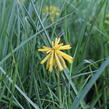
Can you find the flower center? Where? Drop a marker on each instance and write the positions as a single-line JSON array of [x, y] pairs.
[[52, 48]]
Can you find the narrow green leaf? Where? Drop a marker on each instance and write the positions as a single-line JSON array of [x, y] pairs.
[[85, 90]]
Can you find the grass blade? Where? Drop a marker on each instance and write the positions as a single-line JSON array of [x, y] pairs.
[[85, 90]]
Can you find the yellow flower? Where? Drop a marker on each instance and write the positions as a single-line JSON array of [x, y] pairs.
[[55, 57], [53, 11], [107, 21], [107, 15]]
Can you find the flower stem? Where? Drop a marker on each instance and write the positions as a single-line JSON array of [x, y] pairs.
[[59, 90]]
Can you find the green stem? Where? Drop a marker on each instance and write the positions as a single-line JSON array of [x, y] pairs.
[[59, 90], [59, 87]]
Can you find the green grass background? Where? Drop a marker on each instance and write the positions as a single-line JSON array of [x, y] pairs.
[[25, 83]]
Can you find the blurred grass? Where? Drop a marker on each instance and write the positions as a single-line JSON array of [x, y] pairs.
[[25, 84]]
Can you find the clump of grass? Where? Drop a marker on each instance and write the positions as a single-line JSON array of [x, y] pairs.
[[25, 84]]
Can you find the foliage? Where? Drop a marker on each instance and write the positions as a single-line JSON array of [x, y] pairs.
[[25, 83]]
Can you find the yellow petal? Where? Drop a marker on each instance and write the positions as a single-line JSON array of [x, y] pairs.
[[52, 43], [51, 61], [48, 51], [58, 46], [45, 59], [58, 40], [65, 56], [55, 41], [58, 62], [65, 47], [63, 62], [45, 47], [43, 50]]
